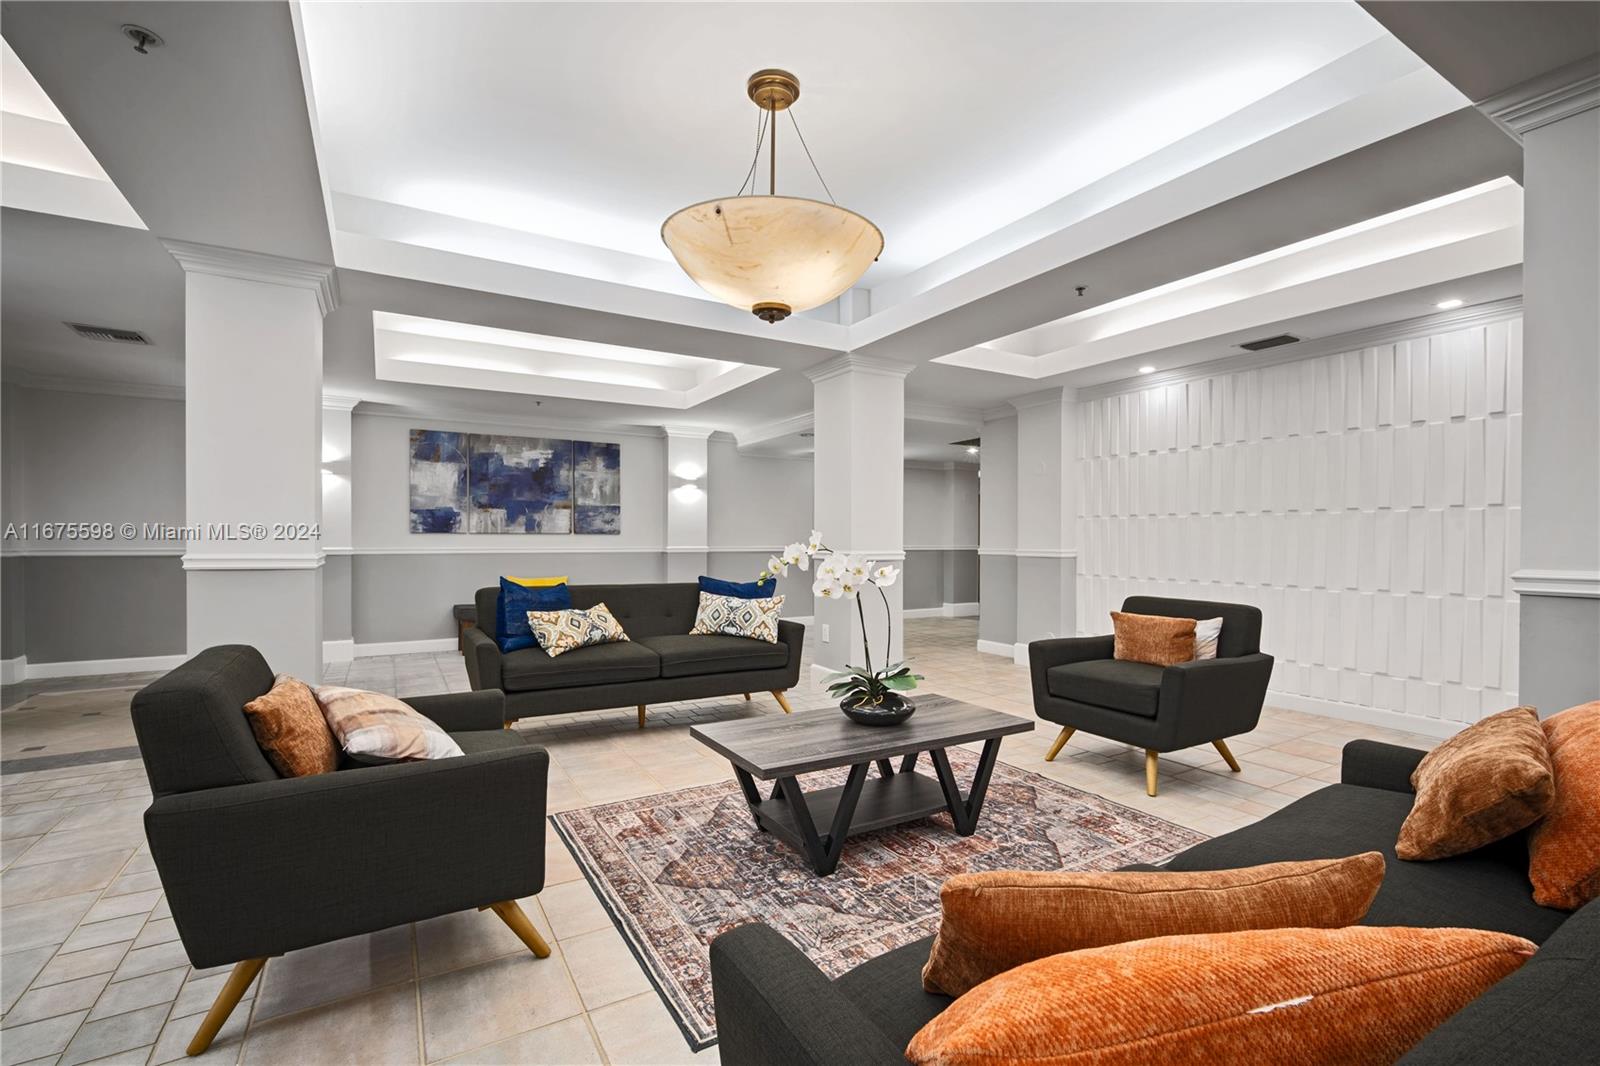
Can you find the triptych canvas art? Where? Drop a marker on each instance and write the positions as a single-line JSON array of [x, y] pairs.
[[486, 483]]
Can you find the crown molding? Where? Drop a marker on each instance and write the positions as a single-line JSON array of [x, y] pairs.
[[937, 412], [783, 427], [855, 362], [1550, 97], [1000, 413], [1581, 584], [339, 403], [1388, 333], [24, 379], [258, 266], [687, 432], [495, 424], [1042, 398]]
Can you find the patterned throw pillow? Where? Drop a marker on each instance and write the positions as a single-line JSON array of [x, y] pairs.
[[377, 729], [290, 729], [733, 616], [559, 632], [1206, 633]]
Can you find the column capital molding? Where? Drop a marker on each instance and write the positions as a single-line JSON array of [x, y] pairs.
[[258, 266], [1550, 97], [687, 432], [854, 362], [1042, 398], [339, 403]]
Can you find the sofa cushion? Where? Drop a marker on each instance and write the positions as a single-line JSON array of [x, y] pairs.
[[688, 654], [1115, 683], [1483, 889], [530, 669], [888, 989], [1542, 1013]]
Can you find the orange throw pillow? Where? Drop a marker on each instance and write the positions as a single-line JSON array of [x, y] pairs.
[[1564, 849], [290, 729], [1488, 781], [1356, 996], [993, 922], [1152, 638]]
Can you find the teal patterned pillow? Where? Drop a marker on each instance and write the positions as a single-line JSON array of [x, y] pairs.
[[559, 632], [734, 616]]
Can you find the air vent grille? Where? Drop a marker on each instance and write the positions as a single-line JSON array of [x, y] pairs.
[[1270, 342], [972, 442], [109, 334]]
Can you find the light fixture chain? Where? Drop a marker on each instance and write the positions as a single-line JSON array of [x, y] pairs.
[[813, 162], [749, 177]]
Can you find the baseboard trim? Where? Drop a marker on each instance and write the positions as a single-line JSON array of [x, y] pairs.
[[403, 647], [13, 670], [1019, 653], [1351, 712], [338, 651], [92, 667], [995, 647], [923, 612], [960, 610]]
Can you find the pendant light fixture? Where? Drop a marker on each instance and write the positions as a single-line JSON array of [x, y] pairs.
[[772, 255]]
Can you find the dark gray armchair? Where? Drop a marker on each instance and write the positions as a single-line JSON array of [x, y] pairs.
[[1078, 685], [255, 865]]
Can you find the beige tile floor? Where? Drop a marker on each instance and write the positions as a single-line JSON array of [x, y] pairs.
[[92, 971]]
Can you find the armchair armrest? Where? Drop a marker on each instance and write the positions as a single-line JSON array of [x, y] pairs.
[[268, 867], [794, 635], [1210, 699], [1058, 651], [1374, 764], [462, 712], [774, 1005], [483, 660]]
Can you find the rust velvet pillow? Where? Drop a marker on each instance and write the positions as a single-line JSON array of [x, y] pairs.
[[1356, 996], [290, 729], [1564, 849], [1483, 784], [992, 922], [1152, 638]]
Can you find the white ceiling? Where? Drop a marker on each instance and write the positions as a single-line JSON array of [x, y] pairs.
[[590, 123]]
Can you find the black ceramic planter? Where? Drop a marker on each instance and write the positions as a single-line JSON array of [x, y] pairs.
[[891, 710]]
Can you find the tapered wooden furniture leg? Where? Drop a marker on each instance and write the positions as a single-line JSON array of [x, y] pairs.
[[1061, 742], [232, 991], [641, 716], [514, 917], [1151, 761], [747, 697], [778, 695], [1227, 756]]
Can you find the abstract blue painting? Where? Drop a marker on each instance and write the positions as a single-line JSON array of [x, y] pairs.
[[519, 485], [596, 487], [438, 481]]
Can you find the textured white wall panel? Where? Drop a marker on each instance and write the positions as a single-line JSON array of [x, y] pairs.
[[1367, 501]]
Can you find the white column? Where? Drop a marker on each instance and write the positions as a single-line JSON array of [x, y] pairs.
[[1558, 579], [338, 637], [687, 490], [253, 445], [997, 533], [1047, 555], [859, 502]]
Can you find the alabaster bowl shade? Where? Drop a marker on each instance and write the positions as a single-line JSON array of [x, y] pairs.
[[749, 250]]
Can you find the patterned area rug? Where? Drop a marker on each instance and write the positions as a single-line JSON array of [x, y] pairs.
[[678, 868]]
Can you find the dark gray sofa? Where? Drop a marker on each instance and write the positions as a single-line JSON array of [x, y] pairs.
[[660, 662], [254, 865], [774, 1005]]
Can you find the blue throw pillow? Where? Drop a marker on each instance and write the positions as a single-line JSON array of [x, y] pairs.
[[511, 630], [744, 590]]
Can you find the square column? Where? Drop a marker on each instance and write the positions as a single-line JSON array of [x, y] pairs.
[[253, 448], [1047, 509], [1558, 580], [338, 630], [686, 503], [859, 497]]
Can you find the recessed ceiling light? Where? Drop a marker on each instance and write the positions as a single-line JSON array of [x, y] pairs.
[[972, 451], [1147, 370], [1449, 305]]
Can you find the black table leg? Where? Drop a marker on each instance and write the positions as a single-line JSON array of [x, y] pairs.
[[908, 763], [751, 795], [885, 768], [964, 812], [823, 854]]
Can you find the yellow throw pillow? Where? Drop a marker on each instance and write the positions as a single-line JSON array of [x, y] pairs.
[[537, 582], [994, 921], [559, 632]]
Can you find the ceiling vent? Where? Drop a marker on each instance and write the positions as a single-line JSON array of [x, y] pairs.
[[1270, 342], [108, 333], [972, 442]]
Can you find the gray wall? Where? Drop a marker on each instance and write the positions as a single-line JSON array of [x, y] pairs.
[[13, 634], [934, 578], [997, 592], [103, 607], [336, 599]]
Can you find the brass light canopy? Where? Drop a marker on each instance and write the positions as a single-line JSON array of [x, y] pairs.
[[772, 255]]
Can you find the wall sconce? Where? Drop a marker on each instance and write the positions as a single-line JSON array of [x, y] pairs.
[[689, 473], [688, 493]]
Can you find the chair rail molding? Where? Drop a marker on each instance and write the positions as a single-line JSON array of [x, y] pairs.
[[1582, 584]]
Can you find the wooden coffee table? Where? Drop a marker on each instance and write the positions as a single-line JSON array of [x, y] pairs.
[[779, 749]]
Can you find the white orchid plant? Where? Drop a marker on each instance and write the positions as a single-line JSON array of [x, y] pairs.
[[842, 576]]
